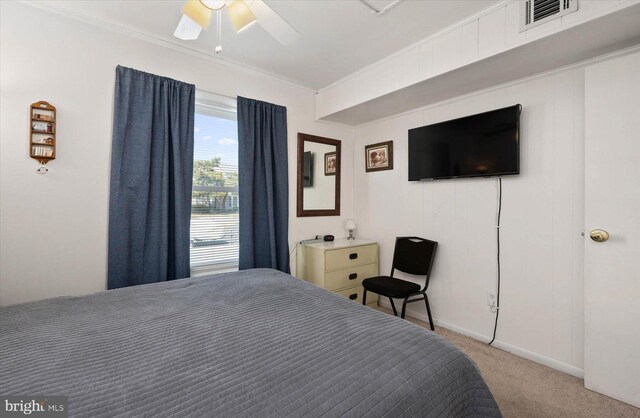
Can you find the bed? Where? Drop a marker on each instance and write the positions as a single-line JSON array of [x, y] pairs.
[[250, 343]]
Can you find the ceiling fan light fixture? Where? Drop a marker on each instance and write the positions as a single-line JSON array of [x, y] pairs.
[[240, 15], [198, 12], [214, 4]]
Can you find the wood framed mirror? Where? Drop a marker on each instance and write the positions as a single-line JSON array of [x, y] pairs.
[[318, 176]]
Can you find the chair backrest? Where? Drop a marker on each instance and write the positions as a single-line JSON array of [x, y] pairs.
[[414, 255]]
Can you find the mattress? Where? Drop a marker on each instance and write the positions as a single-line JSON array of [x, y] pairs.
[[250, 343]]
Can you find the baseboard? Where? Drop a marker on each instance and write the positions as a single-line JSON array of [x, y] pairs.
[[521, 352]]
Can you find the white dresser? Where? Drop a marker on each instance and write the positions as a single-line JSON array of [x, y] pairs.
[[339, 266]]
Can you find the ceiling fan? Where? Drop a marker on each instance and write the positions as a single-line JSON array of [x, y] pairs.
[[242, 14]]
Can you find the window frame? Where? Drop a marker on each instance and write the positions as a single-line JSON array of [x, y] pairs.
[[223, 107]]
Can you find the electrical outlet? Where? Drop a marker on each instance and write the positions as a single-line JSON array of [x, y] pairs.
[[491, 299]]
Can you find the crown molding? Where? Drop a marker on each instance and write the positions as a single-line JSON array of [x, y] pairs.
[[50, 6]]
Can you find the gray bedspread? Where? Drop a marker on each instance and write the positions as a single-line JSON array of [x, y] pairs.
[[251, 343]]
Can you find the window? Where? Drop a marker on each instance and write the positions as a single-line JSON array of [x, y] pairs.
[[214, 204]]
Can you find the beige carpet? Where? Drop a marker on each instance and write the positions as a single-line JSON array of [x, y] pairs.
[[523, 388]]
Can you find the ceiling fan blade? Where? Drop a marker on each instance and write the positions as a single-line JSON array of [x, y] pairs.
[[187, 29], [273, 23]]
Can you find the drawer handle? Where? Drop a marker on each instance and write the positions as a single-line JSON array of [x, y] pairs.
[[353, 276], [353, 296], [353, 256]]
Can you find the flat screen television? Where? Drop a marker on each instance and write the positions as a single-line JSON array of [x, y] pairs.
[[482, 145], [307, 169]]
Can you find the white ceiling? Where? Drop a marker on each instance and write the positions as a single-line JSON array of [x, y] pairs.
[[337, 37]]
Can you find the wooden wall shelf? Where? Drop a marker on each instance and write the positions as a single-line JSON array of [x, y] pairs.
[[42, 125]]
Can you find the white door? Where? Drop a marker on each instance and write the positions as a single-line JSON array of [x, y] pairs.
[[612, 203]]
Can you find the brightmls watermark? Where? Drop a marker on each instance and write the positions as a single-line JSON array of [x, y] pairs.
[[34, 406]]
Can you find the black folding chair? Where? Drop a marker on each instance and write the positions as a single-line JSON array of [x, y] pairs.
[[411, 255]]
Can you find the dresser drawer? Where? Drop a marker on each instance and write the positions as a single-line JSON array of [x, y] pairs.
[[350, 277], [351, 257], [355, 294]]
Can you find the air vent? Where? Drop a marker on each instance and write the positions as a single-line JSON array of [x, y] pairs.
[[537, 12]]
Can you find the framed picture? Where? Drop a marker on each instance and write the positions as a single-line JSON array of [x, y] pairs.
[[379, 157], [330, 164]]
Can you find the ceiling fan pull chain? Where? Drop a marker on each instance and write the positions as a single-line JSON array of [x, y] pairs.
[[219, 29]]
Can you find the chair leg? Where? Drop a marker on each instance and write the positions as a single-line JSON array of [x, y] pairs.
[[404, 307], [364, 297], [426, 301], [394, 307]]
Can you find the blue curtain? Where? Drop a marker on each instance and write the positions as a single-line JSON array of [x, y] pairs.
[[151, 176], [263, 183]]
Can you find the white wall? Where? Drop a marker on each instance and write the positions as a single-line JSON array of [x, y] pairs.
[[53, 228], [541, 312]]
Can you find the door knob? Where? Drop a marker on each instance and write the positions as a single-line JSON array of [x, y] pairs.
[[599, 235]]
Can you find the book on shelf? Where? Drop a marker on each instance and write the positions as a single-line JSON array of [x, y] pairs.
[[42, 152]]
